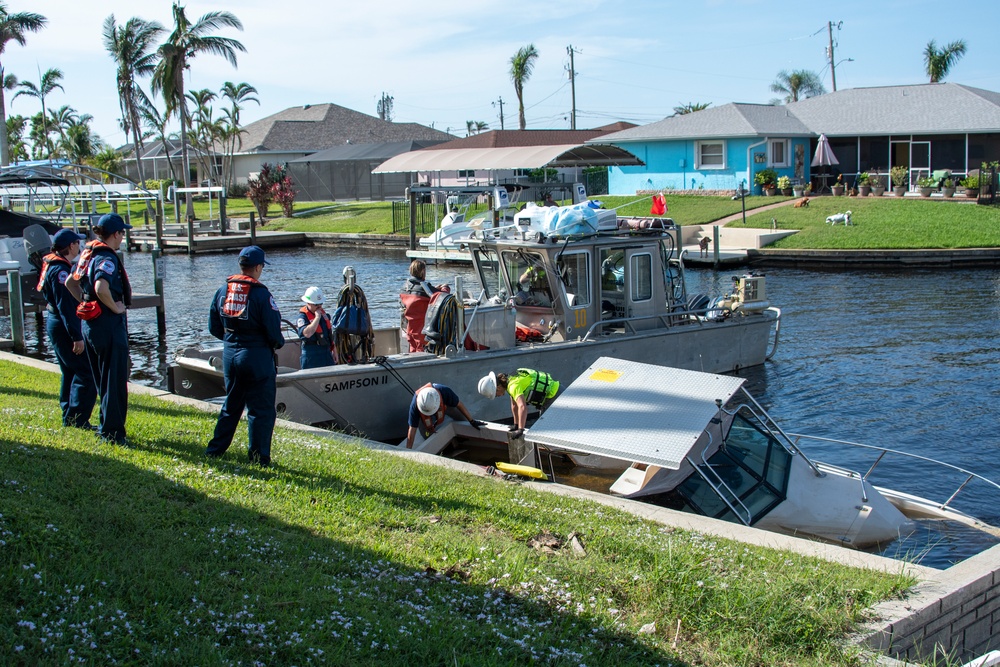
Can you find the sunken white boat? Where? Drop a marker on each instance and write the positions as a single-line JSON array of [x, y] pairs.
[[700, 443], [599, 286]]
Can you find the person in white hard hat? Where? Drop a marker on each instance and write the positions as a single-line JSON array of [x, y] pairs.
[[316, 331], [525, 387], [427, 411]]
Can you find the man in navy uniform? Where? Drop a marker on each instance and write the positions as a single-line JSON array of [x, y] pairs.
[[244, 315], [77, 392], [100, 282]]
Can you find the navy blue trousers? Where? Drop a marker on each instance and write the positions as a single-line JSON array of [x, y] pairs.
[[315, 356], [107, 347], [250, 383], [77, 391]]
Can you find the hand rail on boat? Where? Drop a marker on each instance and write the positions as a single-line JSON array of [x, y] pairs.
[[777, 332], [886, 450], [765, 420], [716, 487], [664, 318]]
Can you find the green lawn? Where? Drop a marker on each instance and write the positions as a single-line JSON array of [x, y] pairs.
[[343, 555], [884, 223]]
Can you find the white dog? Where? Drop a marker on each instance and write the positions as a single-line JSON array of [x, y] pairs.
[[840, 218]]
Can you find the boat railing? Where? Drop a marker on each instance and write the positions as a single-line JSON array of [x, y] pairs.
[[884, 451], [628, 323], [718, 485]]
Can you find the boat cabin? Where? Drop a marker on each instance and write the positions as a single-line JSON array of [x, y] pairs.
[[565, 288]]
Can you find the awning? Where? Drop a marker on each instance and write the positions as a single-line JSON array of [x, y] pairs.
[[523, 157]]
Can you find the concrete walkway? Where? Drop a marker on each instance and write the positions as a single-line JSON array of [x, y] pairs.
[[734, 244]]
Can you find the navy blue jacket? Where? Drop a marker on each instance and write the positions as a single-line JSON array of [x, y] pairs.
[[55, 271], [244, 313]]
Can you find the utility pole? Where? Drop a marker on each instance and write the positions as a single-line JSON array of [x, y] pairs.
[[829, 52], [572, 86], [500, 101]]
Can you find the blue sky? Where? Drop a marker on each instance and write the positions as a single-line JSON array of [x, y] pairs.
[[447, 62]]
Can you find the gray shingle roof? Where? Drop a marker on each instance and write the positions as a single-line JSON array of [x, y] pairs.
[[366, 151], [312, 128], [930, 108]]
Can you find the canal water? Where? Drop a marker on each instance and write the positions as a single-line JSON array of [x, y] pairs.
[[908, 360]]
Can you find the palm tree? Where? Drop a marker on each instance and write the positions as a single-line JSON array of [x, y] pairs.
[[237, 94], [185, 42], [157, 124], [78, 143], [938, 63], [60, 120], [131, 47], [800, 84], [521, 64], [15, 137], [691, 107], [13, 27], [46, 84], [203, 128]]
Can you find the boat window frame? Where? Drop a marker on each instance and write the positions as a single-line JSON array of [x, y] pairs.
[[484, 256], [583, 280], [537, 287], [633, 276]]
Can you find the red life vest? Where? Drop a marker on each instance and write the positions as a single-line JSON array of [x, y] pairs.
[[415, 310], [237, 295], [323, 329], [431, 422], [47, 261], [659, 205]]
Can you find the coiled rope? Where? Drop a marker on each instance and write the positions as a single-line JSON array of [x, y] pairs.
[[354, 348]]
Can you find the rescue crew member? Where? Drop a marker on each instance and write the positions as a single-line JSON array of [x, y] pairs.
[[525, 387], [77, 391], [101, 283], [244, 315], [534, 288], [316, 331], [415, 297], [427, 411]]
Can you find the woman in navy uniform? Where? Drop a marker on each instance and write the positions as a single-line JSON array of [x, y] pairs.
[[77, 392], [244, 315], [316, 331], [100, 281]]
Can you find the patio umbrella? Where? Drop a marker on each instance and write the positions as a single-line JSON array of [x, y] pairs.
[[823, 156]]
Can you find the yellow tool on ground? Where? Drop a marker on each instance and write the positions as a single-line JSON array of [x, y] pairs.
[[523, 471]]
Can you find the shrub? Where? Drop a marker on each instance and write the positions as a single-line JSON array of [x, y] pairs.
[[260, 189], [784, 183], [238, 190], [765, 177], [970, 182], [926, 182], [899, 175], [284, 194]]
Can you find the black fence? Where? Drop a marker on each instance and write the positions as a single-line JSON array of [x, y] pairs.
[[988, 187]]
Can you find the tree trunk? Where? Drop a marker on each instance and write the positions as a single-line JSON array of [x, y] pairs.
[[4, 145]]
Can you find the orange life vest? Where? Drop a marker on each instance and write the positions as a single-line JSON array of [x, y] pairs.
[[237, 295], [324, 325]]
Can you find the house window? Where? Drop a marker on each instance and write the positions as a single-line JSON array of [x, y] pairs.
[[710, 154], [777, 150], [466, 173]]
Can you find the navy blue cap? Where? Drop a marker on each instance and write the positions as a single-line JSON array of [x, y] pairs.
[[111, 223], [64, 238], [252, 256]]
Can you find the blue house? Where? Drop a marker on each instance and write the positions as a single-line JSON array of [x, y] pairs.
[[927, 128]]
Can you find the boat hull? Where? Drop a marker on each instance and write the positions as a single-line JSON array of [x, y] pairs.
[[367, 399]]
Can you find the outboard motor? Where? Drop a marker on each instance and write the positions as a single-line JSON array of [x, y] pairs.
[[37, 244]]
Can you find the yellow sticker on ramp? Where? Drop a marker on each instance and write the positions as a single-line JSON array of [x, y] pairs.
[[606, 375]]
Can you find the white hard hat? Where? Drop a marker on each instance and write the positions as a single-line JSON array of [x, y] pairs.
[[488, 385], [428, 400], [313, 295]]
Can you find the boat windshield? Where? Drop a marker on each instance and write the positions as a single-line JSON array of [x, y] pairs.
[[490, 277], [751, 463], [529, 278]]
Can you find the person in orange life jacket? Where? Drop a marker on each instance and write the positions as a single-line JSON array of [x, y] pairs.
[[415, 298], [316, 331], [427, 411], [244, 315], [101, 283], [77, 391]]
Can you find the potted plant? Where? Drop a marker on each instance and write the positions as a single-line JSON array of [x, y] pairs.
[[838, 186], [864, 184], [971, 185], [878, 185], [766, 179], [785, 185], [948, 188], [799, 189], [926, 186], [899, 176]]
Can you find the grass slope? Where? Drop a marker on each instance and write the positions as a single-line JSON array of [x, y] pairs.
[[343, 555]]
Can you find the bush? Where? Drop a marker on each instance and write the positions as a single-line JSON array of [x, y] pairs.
[[899, 175], [970, 182], [766, 177], [926, 182], [272, 184], [284, 194], [238, 190]]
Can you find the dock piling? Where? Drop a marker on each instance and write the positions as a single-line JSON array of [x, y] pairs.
[[16, 307], [253, 229], [159, 273]]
